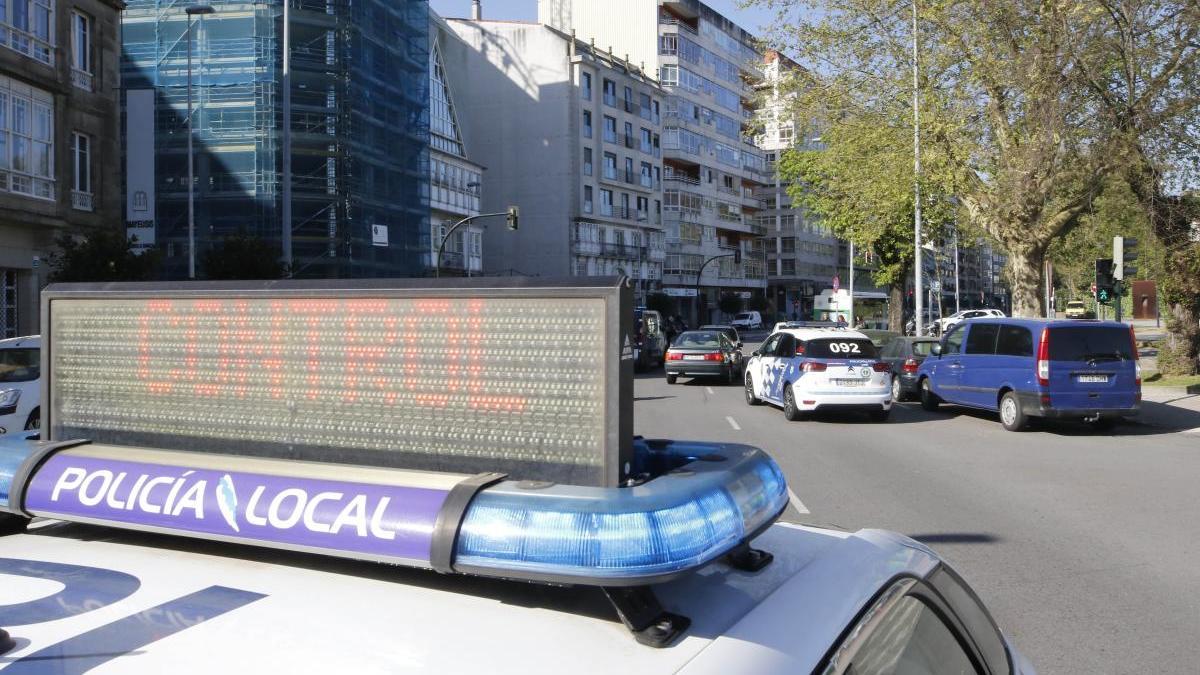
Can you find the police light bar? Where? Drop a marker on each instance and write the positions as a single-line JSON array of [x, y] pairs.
[[705, 501], [532, 378]]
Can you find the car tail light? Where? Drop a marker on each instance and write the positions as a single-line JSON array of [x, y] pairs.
[[881, 367], [1137, 365], [674, 356], [911, 365], [814, 367], [1043, 358], [714, 356]]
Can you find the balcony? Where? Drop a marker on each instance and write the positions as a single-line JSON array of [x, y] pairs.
[[681, 178], [81, 80], [82, 201], [610, 99]]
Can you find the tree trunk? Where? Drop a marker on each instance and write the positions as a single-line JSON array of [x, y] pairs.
[[1025, 271], [1181, 355], [896, 307]]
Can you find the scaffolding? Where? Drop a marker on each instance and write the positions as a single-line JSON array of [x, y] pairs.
[[359, 127]]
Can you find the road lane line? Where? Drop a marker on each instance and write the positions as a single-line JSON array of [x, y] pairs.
[[799, 505], [709, 390], [733, 423]]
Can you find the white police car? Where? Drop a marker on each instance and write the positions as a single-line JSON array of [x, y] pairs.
[[809, 369]]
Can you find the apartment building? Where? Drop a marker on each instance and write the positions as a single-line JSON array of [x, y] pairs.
[[59, 118], [353, 187], [455, 182], [572, 134], [711, 169]]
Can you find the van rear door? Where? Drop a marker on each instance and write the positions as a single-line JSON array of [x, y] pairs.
[[1092, 367]]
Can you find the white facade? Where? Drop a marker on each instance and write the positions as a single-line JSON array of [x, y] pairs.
[[456, 182], [711, 170], [572, 135]]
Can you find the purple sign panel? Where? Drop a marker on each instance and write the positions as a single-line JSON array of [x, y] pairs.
[[379, 520]]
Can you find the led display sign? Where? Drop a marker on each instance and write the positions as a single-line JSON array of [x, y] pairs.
[[525, 379]]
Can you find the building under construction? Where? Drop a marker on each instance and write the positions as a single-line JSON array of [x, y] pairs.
[[359, 117]]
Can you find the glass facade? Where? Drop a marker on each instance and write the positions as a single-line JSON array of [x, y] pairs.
[[359, 120]]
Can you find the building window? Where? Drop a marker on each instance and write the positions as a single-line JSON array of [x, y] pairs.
[[643, 209], [629, 134], [585, 80], [610, 129], [27, 26], [644, 109], [628, 169], [8, 304], [587, 124], [81, 152], [587, 198], [81, 51], [26, 140], [610, 166], [610, 93], [788, 267], [647, 178], [606, 202], [625, 213], [628, 99], [647, 142], [587, 161], [787, 245]]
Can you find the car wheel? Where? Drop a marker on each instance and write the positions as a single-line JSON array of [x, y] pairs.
[[897, 390], [790, 411], [35, 420], [880, 415], [1011, 415], [929, 400], [671, 379], [751, 399]]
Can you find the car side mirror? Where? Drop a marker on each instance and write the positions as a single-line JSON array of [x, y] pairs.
[[936, 349]]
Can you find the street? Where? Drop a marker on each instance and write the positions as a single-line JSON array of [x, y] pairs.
[[1082, 544]]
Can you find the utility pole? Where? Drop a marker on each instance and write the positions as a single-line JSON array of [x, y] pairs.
[[852, 324], [918, 295], [957, 278]]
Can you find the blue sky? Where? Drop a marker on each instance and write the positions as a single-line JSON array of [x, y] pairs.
[[750, 19]]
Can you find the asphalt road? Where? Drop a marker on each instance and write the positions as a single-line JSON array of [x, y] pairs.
[[1084, 545]]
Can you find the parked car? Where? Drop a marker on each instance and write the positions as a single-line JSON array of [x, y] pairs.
[[650, 342], [904, 355], [703, 353], [20, 383], [1077, 309], [947, 322], [880, 337], [1026, 368], [748, 321], [809, 369]]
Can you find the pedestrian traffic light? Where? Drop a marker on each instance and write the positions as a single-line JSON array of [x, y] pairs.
[[1124, 255], [737, 256], [1104, 281], [514, 216]]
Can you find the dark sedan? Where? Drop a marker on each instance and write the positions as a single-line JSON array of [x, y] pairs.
[[703, 353], [904, 355]]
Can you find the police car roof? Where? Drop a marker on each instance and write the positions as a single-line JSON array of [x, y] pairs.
[[806, 334], [293, 612]]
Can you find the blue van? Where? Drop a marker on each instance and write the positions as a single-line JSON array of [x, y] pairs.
[[1024, 368]]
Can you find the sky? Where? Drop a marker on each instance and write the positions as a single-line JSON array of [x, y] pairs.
[[750, 19]]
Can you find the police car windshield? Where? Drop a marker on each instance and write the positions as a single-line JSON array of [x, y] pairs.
[[19, 365], [698, 339], [840, 348]]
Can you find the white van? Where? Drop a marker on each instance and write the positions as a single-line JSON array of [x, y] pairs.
[[20, 383], [747, 321]]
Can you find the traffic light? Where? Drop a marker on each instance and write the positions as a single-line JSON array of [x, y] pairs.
[[1104, 281], [737, 256], [1124, 255], [514, 216]]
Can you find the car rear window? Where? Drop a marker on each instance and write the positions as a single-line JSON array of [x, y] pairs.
[[922, 348], [19, 365], [698, 340], [840, 348], [743, 315], [1086, 343]]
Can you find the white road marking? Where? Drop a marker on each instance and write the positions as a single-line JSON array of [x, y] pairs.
[[799, 505], [733, 423], [709, 390]]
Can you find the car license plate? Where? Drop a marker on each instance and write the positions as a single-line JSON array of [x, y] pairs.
[[693, 357], [848, 383], [1101, 379]]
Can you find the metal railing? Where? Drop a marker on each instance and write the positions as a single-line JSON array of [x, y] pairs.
[[81, 79], [82, 201]]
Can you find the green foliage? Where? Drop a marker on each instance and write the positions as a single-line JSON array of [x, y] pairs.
[[242, 256], [730, 303], [661, 303], [104, 254], [759, 303]]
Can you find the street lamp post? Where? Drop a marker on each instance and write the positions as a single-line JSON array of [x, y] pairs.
[[437, 261], [917, 264], [194, 10]]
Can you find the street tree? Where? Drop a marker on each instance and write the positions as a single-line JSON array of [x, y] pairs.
[[102, 254], [1009, 119], [243, 256]]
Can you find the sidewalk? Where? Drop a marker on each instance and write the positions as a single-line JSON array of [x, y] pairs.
[[1171, 408]]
